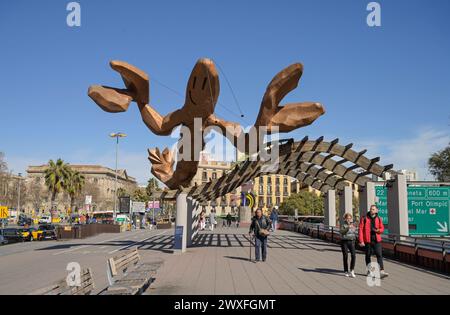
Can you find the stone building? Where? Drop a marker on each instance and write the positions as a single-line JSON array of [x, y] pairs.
[[269, 190], [209, 170], [99, 183]]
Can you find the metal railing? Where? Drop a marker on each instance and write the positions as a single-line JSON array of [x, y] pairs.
[[416, 242]]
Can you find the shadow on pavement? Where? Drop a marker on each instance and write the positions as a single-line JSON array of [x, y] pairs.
[[324, 270]]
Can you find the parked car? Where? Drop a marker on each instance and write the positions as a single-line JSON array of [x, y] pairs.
[[3, 241], [24, 220], [31, 234], [45, 219], [48, 231], [11, 235]]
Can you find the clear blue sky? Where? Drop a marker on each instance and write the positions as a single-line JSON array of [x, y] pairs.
[[386, 88]]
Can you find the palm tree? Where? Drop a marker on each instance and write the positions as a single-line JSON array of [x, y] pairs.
[[74, 185], [56, 178], [152, 186]]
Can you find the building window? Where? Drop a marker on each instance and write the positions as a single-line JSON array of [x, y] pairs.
[[261, 202], [285, 191], [214, 175], [285, 181], [269, 189], [205, 176], [261, 188], [277, 202], [269, 201]]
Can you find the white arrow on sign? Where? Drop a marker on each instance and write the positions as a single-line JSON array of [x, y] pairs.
[[442, 227]]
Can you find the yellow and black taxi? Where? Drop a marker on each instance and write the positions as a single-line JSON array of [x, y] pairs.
[[31, 234]]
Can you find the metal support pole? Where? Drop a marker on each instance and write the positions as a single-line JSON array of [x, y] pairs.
[[115, 182], [18, 193]]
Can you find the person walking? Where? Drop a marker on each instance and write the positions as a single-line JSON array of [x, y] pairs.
[[260, 227], [212, 219], [274, 218], [348, 237], [229, 219], [202, 221], [370, 229]]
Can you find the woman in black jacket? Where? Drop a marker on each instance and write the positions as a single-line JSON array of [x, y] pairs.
[[260, 227]]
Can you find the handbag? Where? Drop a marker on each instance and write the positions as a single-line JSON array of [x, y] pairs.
[[261, 231]]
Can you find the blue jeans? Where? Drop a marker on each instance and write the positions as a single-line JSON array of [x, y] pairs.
[[274, 225], [260, 245]]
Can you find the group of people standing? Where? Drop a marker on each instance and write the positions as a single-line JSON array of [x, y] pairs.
[[369, 238]]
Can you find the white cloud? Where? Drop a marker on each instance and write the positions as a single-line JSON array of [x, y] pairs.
[[409, 153]]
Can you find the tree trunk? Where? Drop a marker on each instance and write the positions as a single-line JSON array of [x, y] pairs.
[[52, 206], [72, 199]]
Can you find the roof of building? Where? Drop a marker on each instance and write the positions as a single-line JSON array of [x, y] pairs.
[[86, 169]]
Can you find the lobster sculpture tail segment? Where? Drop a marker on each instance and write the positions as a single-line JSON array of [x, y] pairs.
[[202, 93]]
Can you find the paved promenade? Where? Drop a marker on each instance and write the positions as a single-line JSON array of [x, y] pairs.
[[296, 264], [217, 264]]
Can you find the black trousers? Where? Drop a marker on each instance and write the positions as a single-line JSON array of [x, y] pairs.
[[346, 246], [374, 248]]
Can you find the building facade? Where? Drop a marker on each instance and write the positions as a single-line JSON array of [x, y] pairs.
[[269, 190], [100, 184], [210, 170]]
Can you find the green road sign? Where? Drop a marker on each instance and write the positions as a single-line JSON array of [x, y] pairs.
[[428, 209]]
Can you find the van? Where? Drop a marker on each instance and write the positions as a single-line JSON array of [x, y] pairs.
[[45, 220]]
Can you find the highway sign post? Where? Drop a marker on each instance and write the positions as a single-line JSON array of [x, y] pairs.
[[428, 209]]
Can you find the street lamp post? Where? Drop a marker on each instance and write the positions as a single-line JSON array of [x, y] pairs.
[[18, 192], [116, 135]]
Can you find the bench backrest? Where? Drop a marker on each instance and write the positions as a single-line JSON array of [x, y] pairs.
[[62, 288], [119, 264]]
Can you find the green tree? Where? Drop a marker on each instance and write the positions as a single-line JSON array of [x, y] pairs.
[[140, 195], [74, 186], [152, 186], [439, 164], [121, 192], [56, 178], [307, 203]]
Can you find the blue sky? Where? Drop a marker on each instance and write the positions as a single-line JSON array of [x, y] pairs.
[[384, 88]]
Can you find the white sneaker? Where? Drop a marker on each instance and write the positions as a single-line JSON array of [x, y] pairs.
[[347, 274], [352, 273], [383, 274]]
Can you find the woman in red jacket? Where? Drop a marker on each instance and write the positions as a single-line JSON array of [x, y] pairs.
[[370, 229]]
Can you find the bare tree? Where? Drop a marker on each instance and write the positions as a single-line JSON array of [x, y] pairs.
[[89, 189], [35, 193]]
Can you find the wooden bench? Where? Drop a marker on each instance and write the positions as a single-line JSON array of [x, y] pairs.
[[62, 288], [127, 275]]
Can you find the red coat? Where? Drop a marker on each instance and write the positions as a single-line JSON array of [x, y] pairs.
[[364, 229]]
